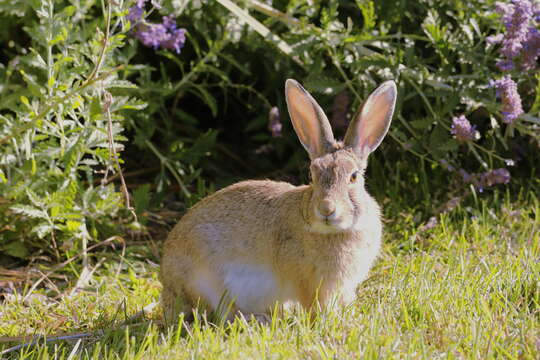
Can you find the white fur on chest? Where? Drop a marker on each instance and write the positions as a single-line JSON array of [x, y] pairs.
[[253, 288]]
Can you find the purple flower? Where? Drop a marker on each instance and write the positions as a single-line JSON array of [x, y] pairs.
[[486, 179], [169, 23], [511, 101], [518, 40], [152, 35], [165, 35], [516, 18], [135, 14], [531, 49], [445, 164], [497, 176], [505, 65], [432, 222], [465, 176], [462, 129], [494, 39], [176, 40], [274, 123]]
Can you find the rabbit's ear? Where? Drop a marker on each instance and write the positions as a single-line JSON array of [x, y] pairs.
[[308, 119], [371, 123]]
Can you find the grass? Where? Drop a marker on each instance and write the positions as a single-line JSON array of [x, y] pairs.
[[465, 287]]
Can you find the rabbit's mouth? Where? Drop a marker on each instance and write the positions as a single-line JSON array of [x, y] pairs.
[[328, 224]]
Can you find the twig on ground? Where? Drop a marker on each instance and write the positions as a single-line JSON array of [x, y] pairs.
[[71, 259], [50, 282], [33, 340], [141, 314], [85, 278], [122, 257]]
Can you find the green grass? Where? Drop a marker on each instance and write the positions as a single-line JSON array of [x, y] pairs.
[[466, 288]]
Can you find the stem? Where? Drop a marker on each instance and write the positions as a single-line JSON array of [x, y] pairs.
[[348, 82], [477, 156], [105, 42], [112, 151], [422, 95], [491, 153], [167, 164], [49, 49], [195, 70]]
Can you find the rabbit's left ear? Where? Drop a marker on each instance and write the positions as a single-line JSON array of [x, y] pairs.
[[309, 121], [371, 123]]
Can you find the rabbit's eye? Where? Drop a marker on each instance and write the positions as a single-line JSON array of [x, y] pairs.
[[354, 177]]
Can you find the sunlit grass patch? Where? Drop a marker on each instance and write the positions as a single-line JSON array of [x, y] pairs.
[[465, 288]]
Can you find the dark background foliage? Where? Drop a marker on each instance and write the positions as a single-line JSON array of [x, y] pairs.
[[189, 123]]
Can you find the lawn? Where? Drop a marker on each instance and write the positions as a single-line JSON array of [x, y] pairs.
[[463, 285], [117, 116]]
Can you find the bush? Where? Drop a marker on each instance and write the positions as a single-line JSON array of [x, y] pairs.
[[62, 112], [213, 105], [455, 100]]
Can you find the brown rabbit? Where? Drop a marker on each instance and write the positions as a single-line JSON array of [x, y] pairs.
[[256, 243]]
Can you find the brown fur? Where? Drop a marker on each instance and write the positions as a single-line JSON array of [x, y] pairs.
[[271, 237]]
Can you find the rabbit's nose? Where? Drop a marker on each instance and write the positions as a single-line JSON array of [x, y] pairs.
[[327, 207]]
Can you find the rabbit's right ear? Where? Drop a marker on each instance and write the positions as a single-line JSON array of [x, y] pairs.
[[309, 121], [370, 125]]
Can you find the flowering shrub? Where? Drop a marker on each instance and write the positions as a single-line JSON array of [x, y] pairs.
[[74, 75], [165, 35], [64, 98], [521, 42], [468, 83]]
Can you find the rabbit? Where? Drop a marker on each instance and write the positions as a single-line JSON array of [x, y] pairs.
[[259, 242]]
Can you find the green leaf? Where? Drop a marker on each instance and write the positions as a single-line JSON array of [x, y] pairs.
[[68, 11], [73, 226], [438, 137], [95, 108], [16, 249], [3, 178], [323, 84], [141, 198], [29, 211], [60, 37], [422, 124], [121, 84], [25, 101], [50, 82], [450, 145], [536, 105], [134, 105], [207, 98], [43, 229], [368, 13], [34, 198]]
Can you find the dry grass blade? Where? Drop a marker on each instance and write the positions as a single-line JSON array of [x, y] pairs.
[[270, 11], [34, 340], [68, 261], [260, 28]]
